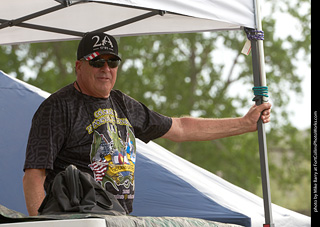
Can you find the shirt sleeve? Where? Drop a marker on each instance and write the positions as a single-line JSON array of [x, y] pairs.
[[148, 124], [46, 136]]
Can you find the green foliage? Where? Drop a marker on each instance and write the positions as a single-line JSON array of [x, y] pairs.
[[183, 74], [45, 65]]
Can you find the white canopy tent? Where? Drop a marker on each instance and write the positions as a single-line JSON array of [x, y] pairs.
[[49, 20], [57, 20]]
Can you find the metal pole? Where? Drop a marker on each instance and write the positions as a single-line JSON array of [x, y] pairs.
[[259, 78]]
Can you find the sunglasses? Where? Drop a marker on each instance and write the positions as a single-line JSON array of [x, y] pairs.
[[99, 63]]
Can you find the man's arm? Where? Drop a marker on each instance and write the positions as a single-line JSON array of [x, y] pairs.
[[202, 129], [34, 194]]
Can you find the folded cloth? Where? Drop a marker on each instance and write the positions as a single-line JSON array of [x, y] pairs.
[[77, 192]]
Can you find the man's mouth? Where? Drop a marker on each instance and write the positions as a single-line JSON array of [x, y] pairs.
[[105, 78]]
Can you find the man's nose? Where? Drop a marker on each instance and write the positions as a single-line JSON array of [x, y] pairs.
[[105, 67]]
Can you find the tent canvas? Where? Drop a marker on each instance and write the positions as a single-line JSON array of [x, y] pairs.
[[49, 20], [166, 185]]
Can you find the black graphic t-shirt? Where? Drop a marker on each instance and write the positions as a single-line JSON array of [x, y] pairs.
[[95, 134]]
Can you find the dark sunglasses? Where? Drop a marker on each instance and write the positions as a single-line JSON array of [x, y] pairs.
[[98, 63]]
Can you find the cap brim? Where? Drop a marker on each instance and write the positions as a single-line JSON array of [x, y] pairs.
[[109, 53], [99, 53]]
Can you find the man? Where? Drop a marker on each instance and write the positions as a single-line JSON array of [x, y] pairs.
[[93, 127]]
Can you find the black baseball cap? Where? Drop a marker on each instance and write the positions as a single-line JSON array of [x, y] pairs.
[[94, 44]]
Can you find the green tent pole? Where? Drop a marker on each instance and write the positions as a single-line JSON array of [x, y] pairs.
[[259, 79]]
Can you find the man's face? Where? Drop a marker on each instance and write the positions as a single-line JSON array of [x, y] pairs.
[[96, 82]]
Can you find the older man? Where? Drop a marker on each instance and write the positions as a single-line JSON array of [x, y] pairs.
[[92, 126]]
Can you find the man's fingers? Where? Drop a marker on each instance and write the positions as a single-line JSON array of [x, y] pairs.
[[265, 108]]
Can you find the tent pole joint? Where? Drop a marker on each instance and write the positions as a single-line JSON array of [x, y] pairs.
[[66, 3], [10, 23], [162, 12]]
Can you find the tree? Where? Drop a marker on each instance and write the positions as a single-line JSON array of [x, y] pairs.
[[45, 65], [184, 74]]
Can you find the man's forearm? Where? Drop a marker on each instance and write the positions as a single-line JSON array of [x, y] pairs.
[[201, 129], [196, 129], [212, 129], [33, 189]]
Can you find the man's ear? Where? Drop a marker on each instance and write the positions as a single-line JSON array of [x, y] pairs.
[[77, 66]]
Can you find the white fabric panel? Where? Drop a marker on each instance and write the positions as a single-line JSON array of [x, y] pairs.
[[181, 16]]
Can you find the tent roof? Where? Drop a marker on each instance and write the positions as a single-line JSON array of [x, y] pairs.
[[50, 20]]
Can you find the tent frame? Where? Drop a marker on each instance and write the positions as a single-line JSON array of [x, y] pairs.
[[259, 75], [259, 79], [262, 140], [66, 3]]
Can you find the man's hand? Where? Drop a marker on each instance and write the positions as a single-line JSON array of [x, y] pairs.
[[255, 112]]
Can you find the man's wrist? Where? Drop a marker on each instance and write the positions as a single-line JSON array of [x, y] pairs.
[[247, 125]]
